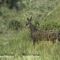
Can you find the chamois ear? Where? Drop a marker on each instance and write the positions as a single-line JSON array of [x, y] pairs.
[[28, 19]]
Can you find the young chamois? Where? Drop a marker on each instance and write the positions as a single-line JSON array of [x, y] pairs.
[[49, 35], [35, 35]]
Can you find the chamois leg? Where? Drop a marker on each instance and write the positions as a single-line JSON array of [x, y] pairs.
[[59, 36], [34, 42]]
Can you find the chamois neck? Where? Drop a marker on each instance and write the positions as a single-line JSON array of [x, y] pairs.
[[33, 28]]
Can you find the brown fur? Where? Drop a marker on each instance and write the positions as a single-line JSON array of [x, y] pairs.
[[49, 35]]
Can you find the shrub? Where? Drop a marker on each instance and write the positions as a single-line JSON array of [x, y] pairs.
[[14, 25]]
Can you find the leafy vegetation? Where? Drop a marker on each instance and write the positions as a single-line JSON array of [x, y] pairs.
[[15, 35]]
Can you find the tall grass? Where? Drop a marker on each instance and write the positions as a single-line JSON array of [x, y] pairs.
[[18, 43]]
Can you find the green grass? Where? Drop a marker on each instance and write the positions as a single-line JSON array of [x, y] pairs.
[[16, 43]]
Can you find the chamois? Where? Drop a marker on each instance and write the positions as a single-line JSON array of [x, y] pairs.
[[49, 35], [35, 35]]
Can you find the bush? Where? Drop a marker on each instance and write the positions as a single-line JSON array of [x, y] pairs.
[[1, 13], [14, 25]]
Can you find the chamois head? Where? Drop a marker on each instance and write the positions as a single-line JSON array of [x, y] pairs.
[[29, 21]]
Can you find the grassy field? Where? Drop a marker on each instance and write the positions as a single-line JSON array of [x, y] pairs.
[[17, 45]]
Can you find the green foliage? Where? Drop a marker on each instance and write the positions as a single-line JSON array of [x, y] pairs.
[[1, 14], [14, 24], [16, 44]]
